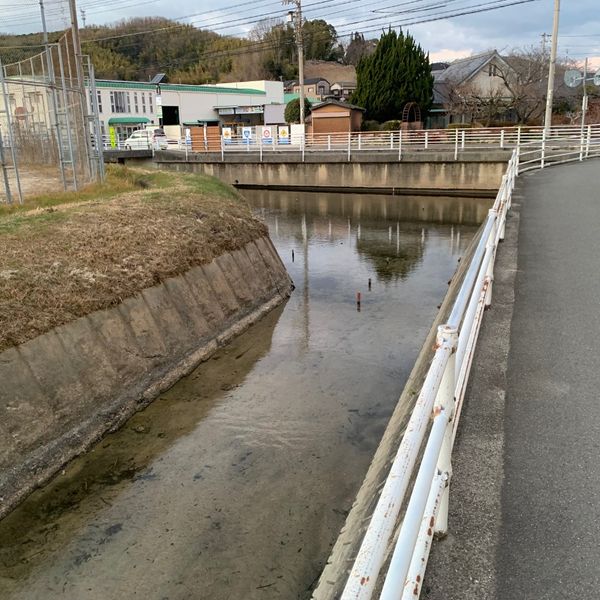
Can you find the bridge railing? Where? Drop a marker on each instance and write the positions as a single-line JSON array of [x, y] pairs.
[[399, 143], [423, 460]]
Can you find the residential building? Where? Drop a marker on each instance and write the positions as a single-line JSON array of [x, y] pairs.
[[315, 88], [460, 84], [342, 90]]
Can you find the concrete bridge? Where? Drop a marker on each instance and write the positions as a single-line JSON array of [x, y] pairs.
[[523, 519]]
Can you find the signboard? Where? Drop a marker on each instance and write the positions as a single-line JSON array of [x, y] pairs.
[[284, 134], [112, 136], [227, 135], [247, 135], [244, 110], [158, 100], [267, 135], [188, 136], [159, 112], [226, 111]]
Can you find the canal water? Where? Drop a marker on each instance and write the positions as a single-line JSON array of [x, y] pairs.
[[235, 483]]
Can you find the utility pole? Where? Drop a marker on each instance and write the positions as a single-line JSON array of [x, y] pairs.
[[82, 11], [76, 45], [298, 23], [544, 37], [551, 70]]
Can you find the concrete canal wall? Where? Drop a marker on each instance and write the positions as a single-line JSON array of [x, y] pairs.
[[477, 174], [63, 390]]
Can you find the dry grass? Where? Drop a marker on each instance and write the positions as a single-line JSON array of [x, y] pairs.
[[66, 255]]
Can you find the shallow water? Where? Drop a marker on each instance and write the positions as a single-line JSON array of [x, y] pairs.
[[235, 483]]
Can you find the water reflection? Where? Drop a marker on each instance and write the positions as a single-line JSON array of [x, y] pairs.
[[236, 482]]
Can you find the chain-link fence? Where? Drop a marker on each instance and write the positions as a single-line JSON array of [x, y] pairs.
[[48, 122]]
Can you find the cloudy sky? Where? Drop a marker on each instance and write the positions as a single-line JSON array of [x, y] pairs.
[[505, 28]]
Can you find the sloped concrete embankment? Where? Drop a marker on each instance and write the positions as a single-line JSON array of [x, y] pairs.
[[63, 390]]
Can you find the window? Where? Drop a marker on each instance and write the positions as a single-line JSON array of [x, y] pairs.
[[321, 90], [99, 98], [119, 102], [128, 103], [492, 70], [150, 102], [144, 102], [135, 103], [311, 90]]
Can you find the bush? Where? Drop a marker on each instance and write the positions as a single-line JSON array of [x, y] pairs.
[[371, 126], [292, 110], [393, 125]]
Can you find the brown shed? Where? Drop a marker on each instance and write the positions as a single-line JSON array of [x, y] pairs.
[[334, 116]]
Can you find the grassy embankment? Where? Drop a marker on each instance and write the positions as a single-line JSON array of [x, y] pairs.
[[65, 255]]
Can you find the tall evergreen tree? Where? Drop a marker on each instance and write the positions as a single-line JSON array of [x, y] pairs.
[[397, 72]]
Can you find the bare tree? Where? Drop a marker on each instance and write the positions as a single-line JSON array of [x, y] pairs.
[[526, 77], [469, 103]]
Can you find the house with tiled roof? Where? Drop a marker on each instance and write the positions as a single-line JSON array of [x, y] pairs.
[[479, 75]]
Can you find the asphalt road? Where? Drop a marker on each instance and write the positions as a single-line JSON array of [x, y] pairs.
[[525, 500]]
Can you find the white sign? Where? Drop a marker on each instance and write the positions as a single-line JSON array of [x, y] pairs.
[[267, 135], [284, 134], [158, 100], [227, 135], [247, 135], [188, 136]]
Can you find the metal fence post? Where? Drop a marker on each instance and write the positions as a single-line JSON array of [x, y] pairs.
[[360, 141], [587, 143], [391, 140], [518, 136], [502, 138], [400, 145], [4, 173], [462, 143], [543, 149], [328, 141], [426, 140], [222, 149], [260, 148], [349, 144], [447, 400], [456, 144]]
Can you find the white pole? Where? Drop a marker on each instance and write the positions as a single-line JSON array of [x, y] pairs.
[[584, 105], [552, 68]]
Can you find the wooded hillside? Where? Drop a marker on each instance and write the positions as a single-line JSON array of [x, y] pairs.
[[139, 48]]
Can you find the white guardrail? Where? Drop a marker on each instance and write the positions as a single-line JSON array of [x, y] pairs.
[[435, 417]]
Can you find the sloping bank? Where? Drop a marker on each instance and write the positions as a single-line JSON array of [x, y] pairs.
[[108, 300]]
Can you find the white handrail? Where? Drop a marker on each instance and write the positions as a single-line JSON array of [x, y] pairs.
[[441, 399]]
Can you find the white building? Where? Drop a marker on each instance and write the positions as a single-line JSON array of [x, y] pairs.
[[125, 106]]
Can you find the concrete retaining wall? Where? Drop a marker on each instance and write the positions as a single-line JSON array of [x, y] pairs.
[[437, 175], [64, 390]]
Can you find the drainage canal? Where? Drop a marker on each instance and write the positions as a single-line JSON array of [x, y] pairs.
[[235, 483]]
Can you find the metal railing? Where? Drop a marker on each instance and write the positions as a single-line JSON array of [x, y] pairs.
[[400, 143], [434, 419]]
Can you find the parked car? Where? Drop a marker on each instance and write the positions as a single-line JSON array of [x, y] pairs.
[[146, 139]]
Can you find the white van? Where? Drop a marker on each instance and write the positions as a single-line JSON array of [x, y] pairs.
[[146, 139]]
